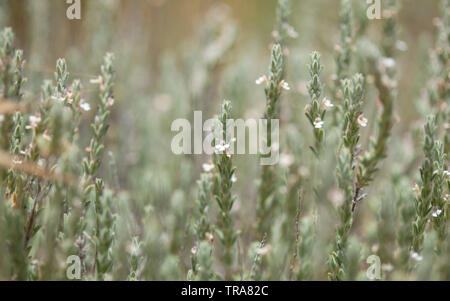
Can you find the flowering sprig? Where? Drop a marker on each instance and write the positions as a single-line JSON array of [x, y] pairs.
[[344, 48], [17, 184], [223, 182], [202, 226], [7, 53], [438, 198], [61, 77], [390, 28], [353, 93], [12, 77], [204, 262], [274, 85], [92, 162], [368, 163], [423, 202], [283, 30], [18, 78], [438, 88], [136, 259], [317, 109], [105, 229]]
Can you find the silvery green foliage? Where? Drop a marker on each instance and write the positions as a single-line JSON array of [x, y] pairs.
[[344, 49], [353, 94], [135, 259], [223, 182], [203, 230], [139, 215], [430, 200], [204, 268], [283, 30], [317, 109], [274, 84]]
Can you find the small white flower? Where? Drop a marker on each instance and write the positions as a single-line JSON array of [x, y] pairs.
[[388, 267], [222, 147], [2, 117], [59, 98], [318, 123], [388, 62], [401, 45], [207, 167], [284, 85], [16, 160], [209, 236], [437, 212], [327, 103], [286, 160], [34, 121], [85, 106], [110, 102], [416, 256], [291, 31], [46, 136], [233, 178], [97, 81], [263, 250], [261, 80], [416, 189], [69, 97], [362, 121], [447, 173]]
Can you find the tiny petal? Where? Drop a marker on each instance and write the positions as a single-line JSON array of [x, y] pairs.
[[284, 85], [286, 160], [388, 62], [209, 236], [401, 45], [416, 189], [447, 173], [362, 121], [327, 103], [263, 251], [233, 178], [85, 106], [261, 80], [208, 167], [110, 102], [416, 256], [318, 123], [222, 147], [437, 212], [97, 81]]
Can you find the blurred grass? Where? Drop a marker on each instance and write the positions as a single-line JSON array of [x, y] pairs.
[[158, 44]]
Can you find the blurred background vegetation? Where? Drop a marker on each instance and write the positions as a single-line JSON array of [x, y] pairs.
[[163, 73]]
